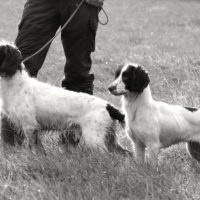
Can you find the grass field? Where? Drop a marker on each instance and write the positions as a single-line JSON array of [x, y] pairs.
[[164, 36]]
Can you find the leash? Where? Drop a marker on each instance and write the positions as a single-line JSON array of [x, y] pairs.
[[66, 23], [107, 19]]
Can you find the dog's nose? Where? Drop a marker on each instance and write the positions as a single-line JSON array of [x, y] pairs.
[[111, 88]]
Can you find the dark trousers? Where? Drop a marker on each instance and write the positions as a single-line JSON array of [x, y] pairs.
[[40, 21]]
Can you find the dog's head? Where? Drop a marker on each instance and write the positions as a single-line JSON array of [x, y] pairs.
[[10, 60], [129, 78]]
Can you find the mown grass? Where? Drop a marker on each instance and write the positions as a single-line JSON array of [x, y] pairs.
[[163, 36]]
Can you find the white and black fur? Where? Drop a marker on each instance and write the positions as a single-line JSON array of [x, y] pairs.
[[33, 105], [152, 124]]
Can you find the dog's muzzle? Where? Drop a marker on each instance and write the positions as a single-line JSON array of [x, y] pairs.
[[113, 90]]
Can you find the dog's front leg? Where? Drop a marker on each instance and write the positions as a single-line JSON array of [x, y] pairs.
[[30, 137], [139, 152], [37, 146], [153, 150], [139, 148], [33, 142]]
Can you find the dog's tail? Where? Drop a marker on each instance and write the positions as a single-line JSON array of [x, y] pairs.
[[115, 114]]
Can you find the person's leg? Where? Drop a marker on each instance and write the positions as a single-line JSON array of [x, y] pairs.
[[78, 40], [39, 23]]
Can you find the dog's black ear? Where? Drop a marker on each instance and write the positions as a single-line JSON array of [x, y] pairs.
[[2, 54], [141, 79], [10, 60], [14, 55], [135, 78]]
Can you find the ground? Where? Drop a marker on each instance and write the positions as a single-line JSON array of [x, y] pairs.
[[164, 37]]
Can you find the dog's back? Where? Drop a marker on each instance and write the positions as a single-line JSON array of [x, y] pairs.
[[177, 123]]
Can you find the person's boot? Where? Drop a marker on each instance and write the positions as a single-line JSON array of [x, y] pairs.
[[81, 85]]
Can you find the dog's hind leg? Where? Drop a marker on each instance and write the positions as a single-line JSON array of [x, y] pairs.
[[194, 149], [113, 146], [71, 136], [124, 152]]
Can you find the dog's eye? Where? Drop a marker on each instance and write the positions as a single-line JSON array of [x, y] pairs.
[[125, 76]]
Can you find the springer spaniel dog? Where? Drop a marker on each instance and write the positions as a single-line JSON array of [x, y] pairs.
[[152, 124], [32, 105]]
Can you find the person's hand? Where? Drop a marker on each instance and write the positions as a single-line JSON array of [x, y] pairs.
[[95, 3]]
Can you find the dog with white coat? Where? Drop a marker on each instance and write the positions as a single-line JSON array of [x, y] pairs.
[[32, 105], [151, 124]]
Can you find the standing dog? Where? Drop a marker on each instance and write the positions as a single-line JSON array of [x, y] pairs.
[[32, 105], [152, 124]]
